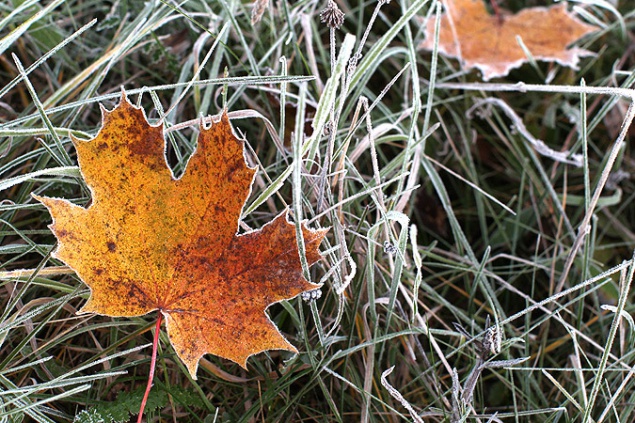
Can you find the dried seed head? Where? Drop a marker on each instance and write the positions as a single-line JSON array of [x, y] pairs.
[[332, 16], [259, 9]]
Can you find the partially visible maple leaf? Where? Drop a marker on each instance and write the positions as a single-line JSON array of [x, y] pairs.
[[151, 242], [480, 40]]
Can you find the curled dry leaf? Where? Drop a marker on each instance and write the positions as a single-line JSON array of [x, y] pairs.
[[152, 242], [480, 40]]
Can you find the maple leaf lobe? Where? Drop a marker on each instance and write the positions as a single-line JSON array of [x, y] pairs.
[[149, 241], [488, 43]]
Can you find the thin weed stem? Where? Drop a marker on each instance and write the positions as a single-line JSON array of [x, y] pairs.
[[153, 364]]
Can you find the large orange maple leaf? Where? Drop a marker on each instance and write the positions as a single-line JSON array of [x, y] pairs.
[[489, 43], [152, 242]]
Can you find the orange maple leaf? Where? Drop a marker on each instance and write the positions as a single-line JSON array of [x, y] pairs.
[[152, 242], [480, 40]]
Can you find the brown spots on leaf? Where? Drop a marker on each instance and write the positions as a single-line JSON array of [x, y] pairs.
[[114, 283], [146, 140], [112, 247], [201, 240], [136, 295], [233, 168], [200, 261]]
